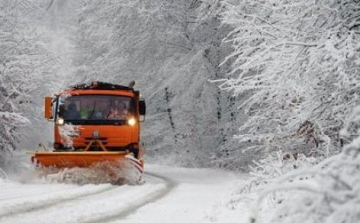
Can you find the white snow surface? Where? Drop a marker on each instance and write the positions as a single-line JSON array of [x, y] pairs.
[[169, 194]]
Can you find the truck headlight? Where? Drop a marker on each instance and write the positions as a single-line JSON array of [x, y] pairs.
[[60, 121], [131, 121]]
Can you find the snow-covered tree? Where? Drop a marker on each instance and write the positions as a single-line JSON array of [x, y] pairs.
[[24, 65], [115, 38], [299, 62]]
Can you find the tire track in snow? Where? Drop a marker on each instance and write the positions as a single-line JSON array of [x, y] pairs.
[[28, 207], [137, 204], [26, 194]]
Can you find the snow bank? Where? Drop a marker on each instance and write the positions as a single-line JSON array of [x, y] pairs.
[[325, 192]]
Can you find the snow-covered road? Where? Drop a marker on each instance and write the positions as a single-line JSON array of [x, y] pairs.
[[169, 195]]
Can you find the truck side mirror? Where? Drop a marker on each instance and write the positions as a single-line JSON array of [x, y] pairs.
[[48, 108], [142, 109]]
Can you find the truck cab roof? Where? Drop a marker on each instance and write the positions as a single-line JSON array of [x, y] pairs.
[[101, 86]]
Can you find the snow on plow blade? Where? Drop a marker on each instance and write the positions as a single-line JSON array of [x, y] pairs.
[[121, 166]]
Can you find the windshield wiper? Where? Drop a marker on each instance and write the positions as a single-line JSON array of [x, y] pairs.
[[93, 110]]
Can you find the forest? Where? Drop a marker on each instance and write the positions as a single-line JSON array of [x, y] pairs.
[[264, 87]]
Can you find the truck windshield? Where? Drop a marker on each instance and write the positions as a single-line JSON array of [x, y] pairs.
[[95, 109]]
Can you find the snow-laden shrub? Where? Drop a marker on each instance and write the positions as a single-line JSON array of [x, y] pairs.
[[332, 193], [277, 164], [299, 60], [266, 171]]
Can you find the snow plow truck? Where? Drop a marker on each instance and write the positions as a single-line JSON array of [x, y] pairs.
[[94, 124]]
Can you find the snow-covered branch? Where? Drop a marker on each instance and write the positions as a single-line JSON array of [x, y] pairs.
[[298, 60]]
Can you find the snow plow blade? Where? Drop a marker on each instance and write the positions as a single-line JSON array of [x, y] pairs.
[[113, 162]]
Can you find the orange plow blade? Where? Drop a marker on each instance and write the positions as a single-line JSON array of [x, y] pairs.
[[114, 161]]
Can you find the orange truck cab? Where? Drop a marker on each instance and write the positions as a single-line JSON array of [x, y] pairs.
[[97, 117]]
